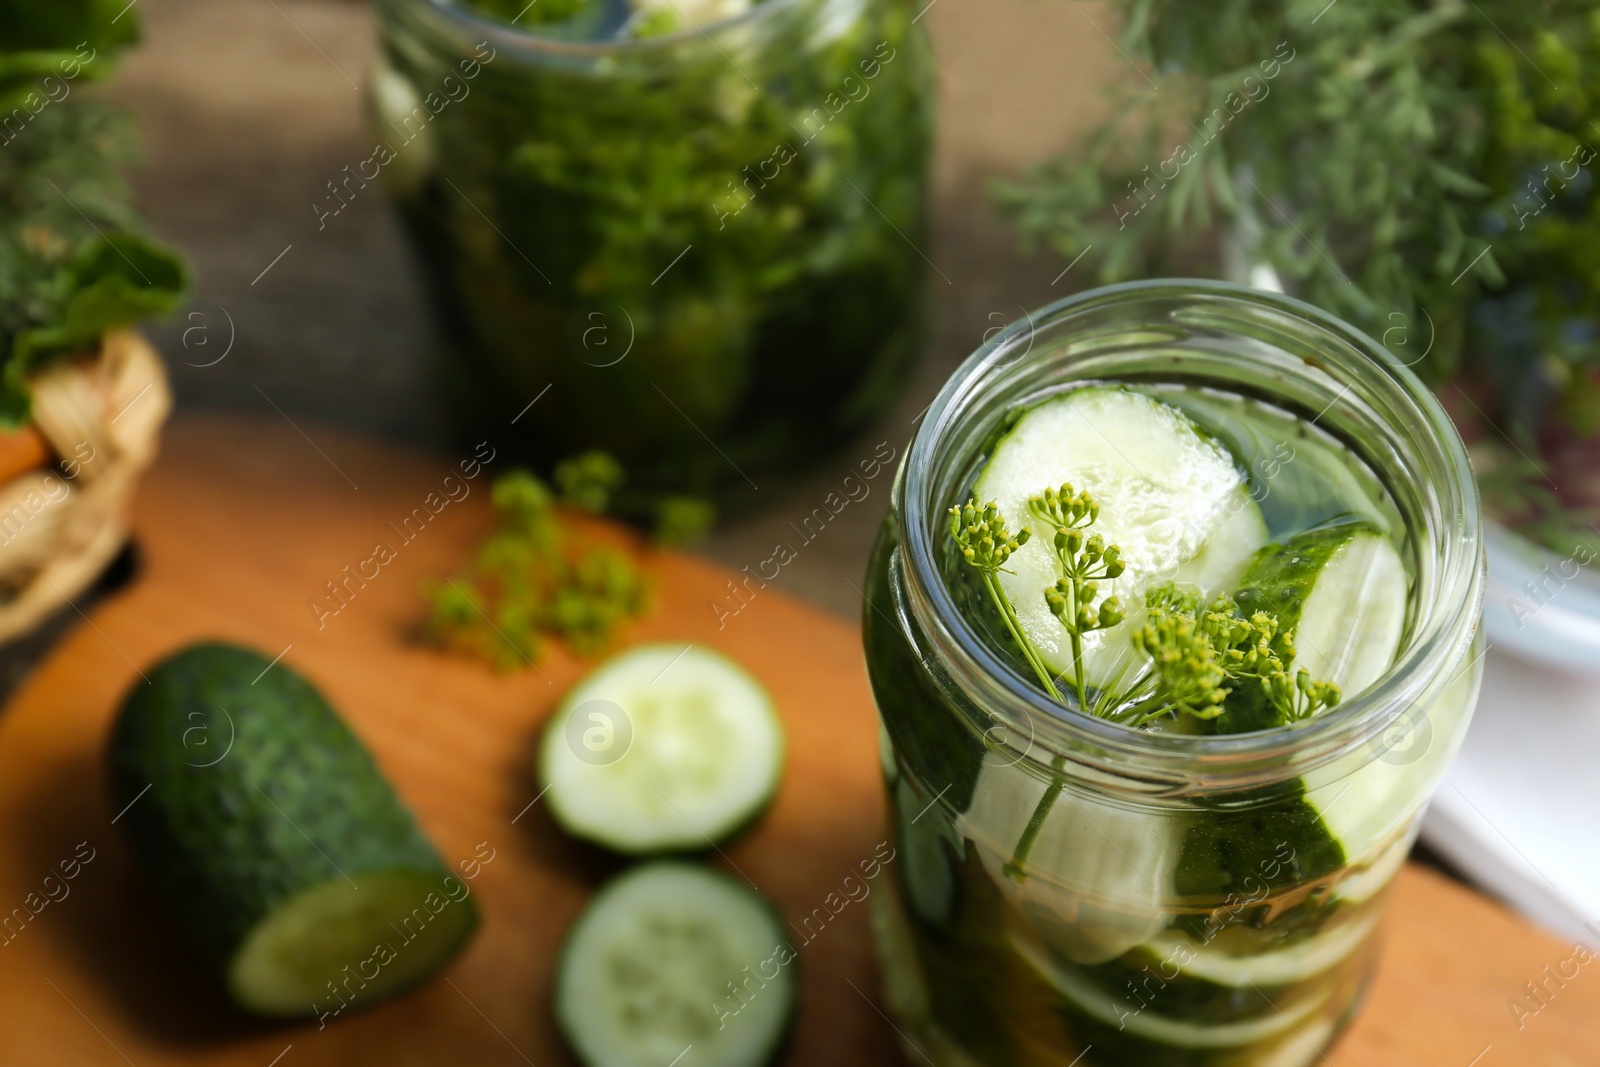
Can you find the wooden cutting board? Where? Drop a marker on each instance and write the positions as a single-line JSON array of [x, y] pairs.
[[243, 522]]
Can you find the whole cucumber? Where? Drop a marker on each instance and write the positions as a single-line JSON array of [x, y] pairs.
[[275, 838]]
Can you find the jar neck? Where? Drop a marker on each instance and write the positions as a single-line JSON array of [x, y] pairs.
[[1254, 343], [456, 28]]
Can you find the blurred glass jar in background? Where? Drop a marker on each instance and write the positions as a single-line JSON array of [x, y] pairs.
[[703, 244]]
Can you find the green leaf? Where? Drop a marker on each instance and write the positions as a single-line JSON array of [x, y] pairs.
[[45, 47], [683, 521], [118, 279], [587, 481], [16, 404]]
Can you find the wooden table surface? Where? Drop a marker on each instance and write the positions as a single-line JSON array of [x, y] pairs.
[[241, 523]]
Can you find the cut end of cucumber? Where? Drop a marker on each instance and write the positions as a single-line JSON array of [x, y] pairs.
[[1368, 805], [1351, 624], [1342, 592], [676, 964], [1171, 498], [663, 748], [345, 945]]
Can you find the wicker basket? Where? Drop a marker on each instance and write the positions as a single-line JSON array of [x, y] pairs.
[[64, 515]]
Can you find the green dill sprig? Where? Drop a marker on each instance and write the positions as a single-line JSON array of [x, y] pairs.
[[986, 544], [529, 582], [1200, 654], [1084, 561], [682, 520], [1303, 697], [1423, 168], [587, 481], [1365, 124], [981, 535], [1184, 644]]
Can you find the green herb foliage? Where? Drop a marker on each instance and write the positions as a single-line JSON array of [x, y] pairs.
[[1198, 653], [74, 259], [981, 535], [683, 520], [1419, 167], [689, 239], [40, 40], [1084, 561], [526, 14], [534, 579]]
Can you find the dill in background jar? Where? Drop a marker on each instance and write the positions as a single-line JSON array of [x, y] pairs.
[[699, 236]]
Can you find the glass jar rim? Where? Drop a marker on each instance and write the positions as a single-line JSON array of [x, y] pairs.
[[1446, 625], [453, 15]]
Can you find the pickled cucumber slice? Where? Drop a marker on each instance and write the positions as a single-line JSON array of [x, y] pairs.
[[1371, 880], [1271, 837], [1172, 499], [1105, 872], [1156, 976], [1342, 591], [1372, 794], [1279, 967], [1302, 476], [1149, 1024]]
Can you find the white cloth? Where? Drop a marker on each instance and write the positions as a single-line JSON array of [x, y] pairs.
[[1519, 811]]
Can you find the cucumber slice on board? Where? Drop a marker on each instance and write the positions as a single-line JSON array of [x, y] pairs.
[[1106, 873], [662, 748], [297, 867], [673, 963], [1171, 498]]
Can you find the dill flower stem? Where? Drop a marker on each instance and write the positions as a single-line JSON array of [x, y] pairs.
[[1009, 615], [1016, 867], [1076, 639]]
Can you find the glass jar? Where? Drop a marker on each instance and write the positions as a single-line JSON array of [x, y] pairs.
[[704, 245], [1210, 925], [1541, 604]]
